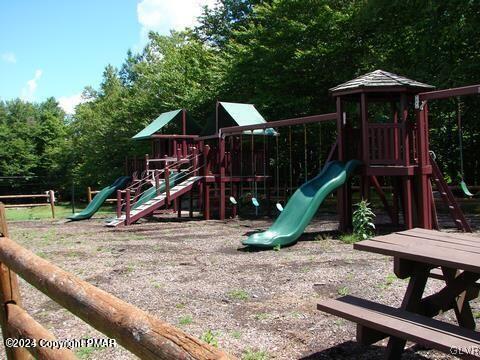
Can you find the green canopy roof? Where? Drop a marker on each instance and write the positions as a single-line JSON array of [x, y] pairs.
[[156, 124], [243, 114]]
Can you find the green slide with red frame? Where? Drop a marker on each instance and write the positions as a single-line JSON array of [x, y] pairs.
[[302, 206]]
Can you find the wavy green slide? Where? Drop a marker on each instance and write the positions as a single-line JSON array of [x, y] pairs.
[[302, 206], [100, 198]]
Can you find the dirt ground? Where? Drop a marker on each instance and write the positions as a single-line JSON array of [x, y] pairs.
[[196, 275]]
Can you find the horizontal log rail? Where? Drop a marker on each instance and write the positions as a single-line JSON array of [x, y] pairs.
[[49, 195], [22, 325], [137, 331], [232, 130]]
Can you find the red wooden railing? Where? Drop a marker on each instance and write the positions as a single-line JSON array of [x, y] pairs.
[[387, 144]]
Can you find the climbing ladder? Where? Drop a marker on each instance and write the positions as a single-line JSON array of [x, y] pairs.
[[448, 198]]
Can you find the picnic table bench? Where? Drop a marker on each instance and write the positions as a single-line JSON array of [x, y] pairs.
[[421, 254]]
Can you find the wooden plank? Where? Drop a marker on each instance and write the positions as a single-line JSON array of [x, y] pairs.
[[22, 196], [403, 324], [22, 325], [429, 255], [456, 235], [25, 205], [440, 239], [416, 242], [139, 332]]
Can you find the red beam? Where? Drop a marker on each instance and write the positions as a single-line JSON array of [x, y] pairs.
[[446, 93], [164, 136], [279, 123]]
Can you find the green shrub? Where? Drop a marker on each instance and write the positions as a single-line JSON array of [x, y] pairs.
[[210, 337], [363, 216]]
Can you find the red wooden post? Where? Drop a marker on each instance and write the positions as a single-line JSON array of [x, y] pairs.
[[424, 206], [179, 206], [341, 192], [222, 161], [365, 144], [127, 207], [119, 203], [206, 186], [195, 161], [167, 186], [157, 182], [190, 203]]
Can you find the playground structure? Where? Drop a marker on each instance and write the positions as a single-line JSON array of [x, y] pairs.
[[381, 120], [137, 331], [49, 196]]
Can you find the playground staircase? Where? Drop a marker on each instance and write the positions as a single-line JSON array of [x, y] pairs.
[[448, 198], [157, 202]]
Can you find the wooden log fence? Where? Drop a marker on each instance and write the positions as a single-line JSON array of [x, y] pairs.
[[134, 329], [49, 196]]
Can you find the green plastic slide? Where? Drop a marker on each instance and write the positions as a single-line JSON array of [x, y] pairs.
[[151, 192], [302, 206], [466, 191], [100, 198]]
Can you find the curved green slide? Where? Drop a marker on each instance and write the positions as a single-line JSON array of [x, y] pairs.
[[100, 198], [151, 192], [302, 206]]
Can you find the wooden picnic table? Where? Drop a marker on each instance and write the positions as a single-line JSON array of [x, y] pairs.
[[421, 254]]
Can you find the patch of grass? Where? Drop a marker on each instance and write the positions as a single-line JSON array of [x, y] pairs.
[[305, 269], [185, 320], [296, 315], [277, 247], [236, 334], [210, 338], [476, 314], [157, 285], [238, 294], [261, 316], [250, 354], [85, 352], [349, 238], [180, 305], [343, 291], [130, 268], [44, 212]]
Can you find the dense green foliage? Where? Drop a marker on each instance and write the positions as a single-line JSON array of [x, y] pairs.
[[282, 55]]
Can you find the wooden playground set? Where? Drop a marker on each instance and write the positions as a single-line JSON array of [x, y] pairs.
[[381, 138], [381, 120]]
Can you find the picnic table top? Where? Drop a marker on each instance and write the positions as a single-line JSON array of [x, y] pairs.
[[453, 250]]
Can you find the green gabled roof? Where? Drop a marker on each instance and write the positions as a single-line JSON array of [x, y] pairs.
[[243, 114], [156, 124]]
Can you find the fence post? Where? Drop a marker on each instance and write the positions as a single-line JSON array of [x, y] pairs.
[[89, 194], [51, 197], [9, 293]]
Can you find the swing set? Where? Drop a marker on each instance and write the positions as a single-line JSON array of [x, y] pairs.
[[266, 170]]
